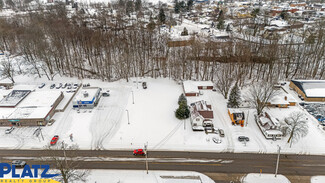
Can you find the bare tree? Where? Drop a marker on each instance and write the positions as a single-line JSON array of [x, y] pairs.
[[64, 157], [7, 70], [259, 95], [297, 126], [224, 80]]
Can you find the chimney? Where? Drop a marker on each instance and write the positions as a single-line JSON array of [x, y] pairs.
[[285, 98]]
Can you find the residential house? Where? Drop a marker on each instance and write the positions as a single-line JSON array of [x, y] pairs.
[[201, 115], [270, 126]]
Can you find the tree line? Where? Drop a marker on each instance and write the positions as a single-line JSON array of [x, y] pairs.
[[111, 46]]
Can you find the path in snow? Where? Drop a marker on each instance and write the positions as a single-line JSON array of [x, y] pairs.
[[220, 117]]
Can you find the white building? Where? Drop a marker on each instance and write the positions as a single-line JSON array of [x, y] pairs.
[[87, 98]]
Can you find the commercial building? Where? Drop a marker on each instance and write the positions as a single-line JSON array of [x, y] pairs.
[[87, 98], [29, 108], [310, 90]]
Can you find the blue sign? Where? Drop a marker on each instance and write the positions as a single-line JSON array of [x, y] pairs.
[[6, 168], [14, 120]]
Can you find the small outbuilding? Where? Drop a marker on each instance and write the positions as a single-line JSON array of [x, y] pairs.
[[192, 88]]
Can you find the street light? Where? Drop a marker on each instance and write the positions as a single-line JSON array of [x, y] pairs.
[[277, 161], [146, 150], [127, 112], [132, 96]]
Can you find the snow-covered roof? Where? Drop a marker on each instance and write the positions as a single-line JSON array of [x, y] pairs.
[[312, 88], [40, 99], [282, 98], [233, 110], [192, 86], [86, 94], [189, 87], [29, 113]]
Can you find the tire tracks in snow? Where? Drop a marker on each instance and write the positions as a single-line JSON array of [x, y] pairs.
[[107, 118], [228, 135], [168, 136]]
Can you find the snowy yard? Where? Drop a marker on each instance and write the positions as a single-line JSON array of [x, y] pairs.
[[133, 116]]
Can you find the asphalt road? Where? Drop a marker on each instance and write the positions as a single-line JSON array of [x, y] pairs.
[[212, 164]]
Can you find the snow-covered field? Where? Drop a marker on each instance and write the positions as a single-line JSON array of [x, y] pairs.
[[133, 116], [317, 179], [265, 178], [133, 176], [139, 176]]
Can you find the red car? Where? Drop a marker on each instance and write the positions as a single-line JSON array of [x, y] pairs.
[[139, 152], [54, 139]]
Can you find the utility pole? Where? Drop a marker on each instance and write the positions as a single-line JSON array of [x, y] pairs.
[[65, 156], [184, 125], [132, 96], [277, 161], [146, 151], [127, 112], [247, 117]]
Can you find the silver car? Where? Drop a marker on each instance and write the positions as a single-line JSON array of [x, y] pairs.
[[19, 163]]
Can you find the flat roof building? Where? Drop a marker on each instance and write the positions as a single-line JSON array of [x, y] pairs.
[[36, 109], [87, 98], [310, 90]]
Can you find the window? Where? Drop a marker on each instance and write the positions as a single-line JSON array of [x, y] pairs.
[[197, 119]]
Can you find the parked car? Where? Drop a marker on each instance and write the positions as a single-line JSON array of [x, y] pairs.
[[86, 85], [208, 129], [50, 123], [105, 94], [54, 139], [221, 133], [59, 86], [9, 130], [243, 138], [18, 163], [75, 86], [216, 140], [144, 85], [52, 86], [64, 85], [139, 152], [214, 89], [41, 86]]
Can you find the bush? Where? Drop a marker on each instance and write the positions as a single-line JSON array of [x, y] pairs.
[[182, 99]]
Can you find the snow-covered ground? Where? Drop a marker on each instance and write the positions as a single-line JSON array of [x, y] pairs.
[[265, 178], [139, 176], [133, 176], [133, 116], [317, 179]]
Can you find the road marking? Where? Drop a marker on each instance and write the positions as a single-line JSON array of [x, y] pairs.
[[162, 160]]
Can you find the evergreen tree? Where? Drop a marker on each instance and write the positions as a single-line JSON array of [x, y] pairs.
[[189, 4], [228, 29], [129, 7], [162, 16], [177, 7], [1, 4], [185, 32], [182, 99], [182, 112], [234, 97], [138, 5]]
